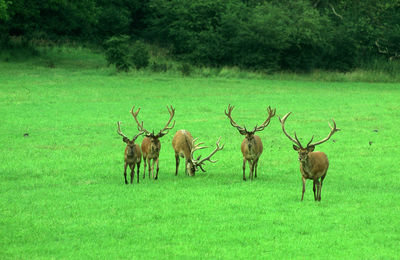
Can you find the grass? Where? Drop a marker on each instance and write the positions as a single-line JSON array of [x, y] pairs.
[[63, 194]]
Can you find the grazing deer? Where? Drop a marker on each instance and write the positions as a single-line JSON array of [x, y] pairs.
[[132, 156], [151, 144], [252, 146], [184, 146], [313, 165]]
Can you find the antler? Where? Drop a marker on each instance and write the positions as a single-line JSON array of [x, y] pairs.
[[271, 113], [124, 136], [333, 130], [119, 130], [167, 127], [242, 130], [140, 126], [296, 141], [208, 158], [196, 147]]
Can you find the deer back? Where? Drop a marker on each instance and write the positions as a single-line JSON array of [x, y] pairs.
[[316, 165], [182, 143], [252, 147]]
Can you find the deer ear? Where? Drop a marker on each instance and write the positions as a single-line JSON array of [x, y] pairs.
[[295, 148], [310, 148], [125, 139]]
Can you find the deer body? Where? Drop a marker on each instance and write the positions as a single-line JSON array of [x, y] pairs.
[[151, 151], [184, 146], [251, 146], [151, 144], [132, 154], [313, 165]]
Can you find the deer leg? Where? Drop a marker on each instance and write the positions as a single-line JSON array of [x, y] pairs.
[[315, 195], [186, 169], [157, 161], [255, 168], [251, 165], [177, 163], [137, 171], [318, 198], [144, 167], [149, 163], [320, 189], [244, 169], [132, 166], [126, 181], [304, 188]]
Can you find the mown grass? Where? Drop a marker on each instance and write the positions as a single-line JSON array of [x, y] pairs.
[[63, 195]]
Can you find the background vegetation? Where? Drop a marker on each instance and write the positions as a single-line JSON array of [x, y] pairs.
[[263, 35], [61, 165]]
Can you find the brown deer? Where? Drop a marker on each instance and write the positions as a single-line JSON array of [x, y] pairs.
[[313, 165], [132, 156], [252, 146], [151, 144], [184, 146]]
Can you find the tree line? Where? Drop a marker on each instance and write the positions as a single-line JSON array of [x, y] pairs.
[[265, 35]]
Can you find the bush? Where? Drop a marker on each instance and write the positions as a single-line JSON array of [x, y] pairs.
[[186, 69], [158, 67], [117, 49], [139, 55]]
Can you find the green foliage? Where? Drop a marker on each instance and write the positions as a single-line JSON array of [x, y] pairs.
[[3, 10], [257, 35], [139, 55], [117, 52], [186, 69], [158, 67], [62, 190]]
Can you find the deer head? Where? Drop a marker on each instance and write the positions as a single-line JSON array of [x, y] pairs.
[[194, 164], [242, 130], [130, 144], [304, 151], [162, 132]]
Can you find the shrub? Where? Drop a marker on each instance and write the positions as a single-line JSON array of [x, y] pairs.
[[139, 55], [158, 67], [186, 69], [117, 49]]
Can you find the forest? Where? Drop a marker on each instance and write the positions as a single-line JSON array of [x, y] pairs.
[[262, 35]]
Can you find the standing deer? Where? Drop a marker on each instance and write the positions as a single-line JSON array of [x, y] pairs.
[[151, 144], [252, 146], [184, 146], [313, 165], [133, 155]]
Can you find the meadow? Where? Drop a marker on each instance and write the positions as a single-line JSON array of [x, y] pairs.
[[62, 192]]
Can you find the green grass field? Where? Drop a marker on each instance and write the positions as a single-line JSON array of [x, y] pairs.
[[62, 193]]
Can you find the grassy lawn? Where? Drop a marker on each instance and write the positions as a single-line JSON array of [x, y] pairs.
[[62, 192]]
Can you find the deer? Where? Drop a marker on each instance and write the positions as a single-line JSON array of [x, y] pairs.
[[151, 144], [313, 164], [252, 146], [132, 155], [184, 146]]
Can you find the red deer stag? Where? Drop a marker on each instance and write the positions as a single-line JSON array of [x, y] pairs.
[[184, 146], [252, 146], [151, 144], [313, 165], [133, 155]]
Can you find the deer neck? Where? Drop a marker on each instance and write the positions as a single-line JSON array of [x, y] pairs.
[[307, 165], [251, 149]]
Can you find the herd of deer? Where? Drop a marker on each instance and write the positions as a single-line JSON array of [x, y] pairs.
[[313, 165]]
